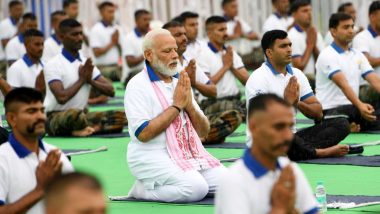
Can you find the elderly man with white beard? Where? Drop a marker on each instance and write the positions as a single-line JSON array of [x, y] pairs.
[[165, 123]]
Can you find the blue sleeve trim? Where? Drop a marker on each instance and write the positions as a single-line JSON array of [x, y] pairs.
[[333, 73], [2, 202], [141, 128], [53, 80], [296, 55], [312, 211], [304, 97], [97, 76], [366, 73], [208, 82]]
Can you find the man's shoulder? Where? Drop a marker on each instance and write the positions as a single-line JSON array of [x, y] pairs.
[[139, 81], [18, 64], [12, 42], [235, 172], [53, 62], [6, 151]]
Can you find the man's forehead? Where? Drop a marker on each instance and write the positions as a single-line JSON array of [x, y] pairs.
[[164, 41], [283, 41]]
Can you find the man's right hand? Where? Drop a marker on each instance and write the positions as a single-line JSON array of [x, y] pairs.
[[292, 91], [311, 36], [284, 192], [238, 31], [115, 38], [182, 92], [47, 170], [85, 71], [367, 110], [228, 58]]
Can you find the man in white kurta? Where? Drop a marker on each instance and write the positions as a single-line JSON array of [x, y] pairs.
[[165, 153]]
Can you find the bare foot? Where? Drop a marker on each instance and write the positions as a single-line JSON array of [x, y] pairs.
[[334, 151], [84, 132], [354, 127]]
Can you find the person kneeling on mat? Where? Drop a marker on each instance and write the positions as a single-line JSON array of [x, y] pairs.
[[165, 123]]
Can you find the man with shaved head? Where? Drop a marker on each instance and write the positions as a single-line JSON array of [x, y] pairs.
[[165, 123], [75, 193]]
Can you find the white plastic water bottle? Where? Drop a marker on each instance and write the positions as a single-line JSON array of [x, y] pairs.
[[320, 193]]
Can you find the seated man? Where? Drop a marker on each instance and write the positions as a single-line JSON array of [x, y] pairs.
[[368, 42], [53, 44], [75, 193], [26, 72], [280, 19], [225, 67], [339, 72], [15, 48], [27, 164], [68, 80], [278, 77], [165, 123], [263, 181], [132, 43]]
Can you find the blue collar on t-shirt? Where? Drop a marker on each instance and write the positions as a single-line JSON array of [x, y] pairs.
[[54, 36], [13, 21], [152, 75], [21, 150], [275, 72], [213, 48], [137, 32], [298, 28], [257, 169], [20, 37], [70, 57], [28, 61], [337, 48], [372, 31]]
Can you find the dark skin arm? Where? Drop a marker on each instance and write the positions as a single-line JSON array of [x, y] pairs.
[[132, 61], [114, 41], [4, 42], [241, 74], [4, 86], [374, 61], [40, 83], [311, 108], [103, 86]]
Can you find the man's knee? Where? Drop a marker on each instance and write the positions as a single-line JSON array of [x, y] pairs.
[[342, 126], [195, 189]]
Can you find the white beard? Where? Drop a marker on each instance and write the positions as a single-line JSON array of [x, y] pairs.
[[165, 69]]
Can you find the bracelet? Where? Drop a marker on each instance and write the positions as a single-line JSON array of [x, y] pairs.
[[176, 107]]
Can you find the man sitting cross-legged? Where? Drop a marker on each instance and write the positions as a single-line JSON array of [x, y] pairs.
[[68, 80]]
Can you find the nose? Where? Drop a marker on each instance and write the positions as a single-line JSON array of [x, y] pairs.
[[174, 54]]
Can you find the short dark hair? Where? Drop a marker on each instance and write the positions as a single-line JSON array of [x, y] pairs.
[[178, 19], [343, 6], [215, 20], [22, 95], [60, 184], [375, 6], [140, 12], [188, 15], [67, 3], [336, 18], [105, 4], [32, 33], [269, 38], [224, 2], [68, 23], [172, 24], [14, 3], [29, 16], [57, 13], [260, 102], [297, 4]]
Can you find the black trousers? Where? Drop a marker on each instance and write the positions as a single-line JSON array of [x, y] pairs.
[[322, 135], [352, 114]]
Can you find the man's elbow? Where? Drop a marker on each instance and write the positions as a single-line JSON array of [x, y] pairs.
[[143, 137], [61, 100]]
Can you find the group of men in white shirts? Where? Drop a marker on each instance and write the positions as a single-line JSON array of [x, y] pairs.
[[168, 124]]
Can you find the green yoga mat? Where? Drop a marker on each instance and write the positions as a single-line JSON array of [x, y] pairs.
[[111, 168]]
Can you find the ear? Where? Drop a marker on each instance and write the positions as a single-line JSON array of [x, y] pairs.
[[268, 53], [333, 32], [148, 54], [251, 124], [11, 119]]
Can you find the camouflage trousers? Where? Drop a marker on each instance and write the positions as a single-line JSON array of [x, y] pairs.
[[112, 72], [225, 116], [63, 123]]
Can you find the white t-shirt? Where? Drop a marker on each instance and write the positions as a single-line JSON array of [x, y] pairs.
[[231, 23], [368, 41], [212, 60], [246, 188], [150, 159], [298, 38], [8, 28], [331, 60], [18, 171], [100, 36], [266, 79], [64, 67], [132, 46], [23, 73], [52, 47], [277, 22], [15, 48]]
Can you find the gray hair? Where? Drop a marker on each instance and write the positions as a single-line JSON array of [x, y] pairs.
[[151, 35]]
